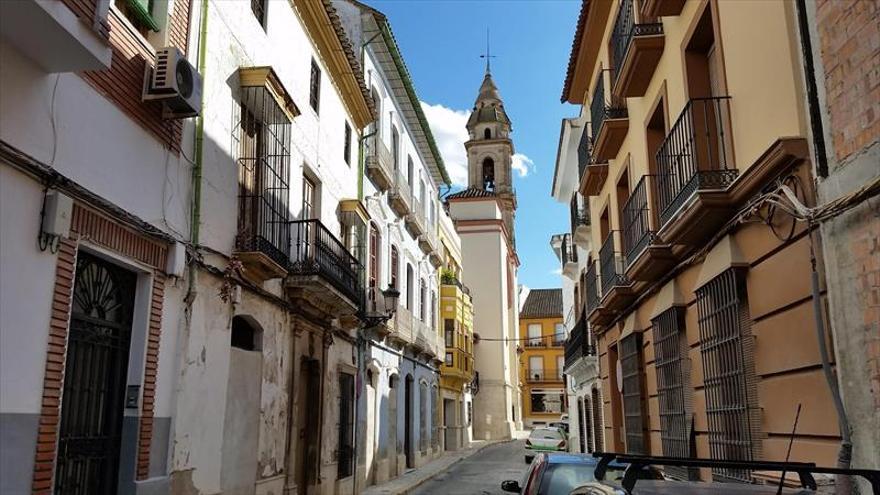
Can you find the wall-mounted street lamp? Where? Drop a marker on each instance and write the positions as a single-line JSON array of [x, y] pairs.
[[391, 297]]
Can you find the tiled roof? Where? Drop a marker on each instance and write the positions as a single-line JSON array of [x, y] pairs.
[[350, 55], [471, 192], [575, 48], [542, 303]]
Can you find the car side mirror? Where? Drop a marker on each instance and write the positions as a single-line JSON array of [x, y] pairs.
[[510, 486]]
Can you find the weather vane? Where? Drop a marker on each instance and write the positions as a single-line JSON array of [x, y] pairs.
[[488, 54]]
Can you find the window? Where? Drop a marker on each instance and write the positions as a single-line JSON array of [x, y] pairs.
[[433, 310], [315, 87], [374, 262], [258, 7], [488, 174], [560, 365], [309, 196], [244, 335], [673, 386], [346, 151], [423, 303], [633, 408], [536, 368], [449, 359], [395, 147], [262, 144], [449, 331], [598, 425], [345, 446], [409, 170], [423, 417], [559, 334], [534, 330], [395, 266], [410, 282], [726, 348], [140, 13], [546, 401], [487, 133]]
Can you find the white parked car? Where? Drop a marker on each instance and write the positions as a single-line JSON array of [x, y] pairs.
[[544, 440]]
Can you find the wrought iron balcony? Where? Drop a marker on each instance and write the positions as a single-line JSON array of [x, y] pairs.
[[541, 375], [379, 163], [636, 218], [321, 265], [611, 265], [569, 256], [636, 50], [579, 210], [695, 155], [544, 341], [609, 121], [578, 344], [591, 288], [400, 196]]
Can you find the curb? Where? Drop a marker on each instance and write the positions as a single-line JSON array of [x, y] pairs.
[[481, 448]]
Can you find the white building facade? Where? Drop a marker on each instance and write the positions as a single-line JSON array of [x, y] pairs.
[[572, 249]]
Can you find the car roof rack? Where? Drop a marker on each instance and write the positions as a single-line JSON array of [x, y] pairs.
[[804, 470]]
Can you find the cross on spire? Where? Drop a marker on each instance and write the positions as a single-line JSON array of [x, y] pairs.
[[488, 55]]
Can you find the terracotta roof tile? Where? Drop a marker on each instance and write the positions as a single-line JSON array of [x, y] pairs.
[[542, 303]]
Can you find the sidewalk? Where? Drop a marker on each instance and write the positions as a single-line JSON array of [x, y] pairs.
[[415, 477]]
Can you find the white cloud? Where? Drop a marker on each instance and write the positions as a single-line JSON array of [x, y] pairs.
[[450, 132], [556, 271], [522, 164]]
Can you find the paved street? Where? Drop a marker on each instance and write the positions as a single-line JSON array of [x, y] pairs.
[[481, 473]]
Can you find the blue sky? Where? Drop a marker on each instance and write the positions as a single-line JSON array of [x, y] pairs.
[[441, 41]]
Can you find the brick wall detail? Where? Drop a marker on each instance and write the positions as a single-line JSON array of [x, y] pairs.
[[123, 82], [849, 40], [145, 435]]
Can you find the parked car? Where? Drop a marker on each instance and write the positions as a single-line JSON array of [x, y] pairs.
[[562, 425], [669, 487], [554, 473], [544, 439]]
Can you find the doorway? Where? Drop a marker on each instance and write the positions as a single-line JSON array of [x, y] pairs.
[[96, 369], [449, 440], [310, 423]]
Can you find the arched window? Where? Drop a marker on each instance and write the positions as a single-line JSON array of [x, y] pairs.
[[377, 103], [246, 334], [489, 174], [409, 287], [395, 267], [487, 133], [423, 303], [395, 147], [374, 261]]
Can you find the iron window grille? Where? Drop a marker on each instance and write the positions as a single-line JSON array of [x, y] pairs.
[[315, 87], [578, 344], [316, 251], [598, 424], [579, 210], [625, 29], [673, 388], [727, 352], [345, 448], [346, 151], [258, 7], [591, 288], [633, 406], [569, 252], [636, 220], [695, 155], [262, 141]]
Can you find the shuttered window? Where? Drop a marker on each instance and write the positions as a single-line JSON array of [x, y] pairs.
[[315, 87], [673, 386], [598, 425], [727, 350], [633, 407]]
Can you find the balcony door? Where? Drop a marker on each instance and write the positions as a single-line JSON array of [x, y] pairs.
[[536, 368], [534, 330]]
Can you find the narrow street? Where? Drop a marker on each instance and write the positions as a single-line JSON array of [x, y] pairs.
[[481, 473]]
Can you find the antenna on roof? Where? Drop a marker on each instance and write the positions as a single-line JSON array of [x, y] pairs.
[[488, 54]]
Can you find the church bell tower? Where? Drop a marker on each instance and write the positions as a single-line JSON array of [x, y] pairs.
[[490, 150]]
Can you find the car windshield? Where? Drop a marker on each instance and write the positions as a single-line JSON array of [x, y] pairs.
[[563, 478], [545, 434]]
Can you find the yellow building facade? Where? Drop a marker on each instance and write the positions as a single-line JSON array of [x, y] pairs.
[[457, 329], [542, 357]]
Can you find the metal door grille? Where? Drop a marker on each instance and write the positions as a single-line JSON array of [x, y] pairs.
[[94, 378], [726, 350], [633, 411], [673, 386]]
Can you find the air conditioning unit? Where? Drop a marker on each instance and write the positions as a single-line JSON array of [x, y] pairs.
[[174, 82]]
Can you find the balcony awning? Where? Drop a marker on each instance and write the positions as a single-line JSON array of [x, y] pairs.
[[353, 212]]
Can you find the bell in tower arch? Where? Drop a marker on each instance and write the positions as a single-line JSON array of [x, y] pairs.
[[488, 173]]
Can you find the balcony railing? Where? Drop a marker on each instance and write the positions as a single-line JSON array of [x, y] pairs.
[[379, 162], [556, 340], [602, 108], [610, 266], [584, 151], [591, 288], [578, 344], [637, 232], [316, 251], [541, 375], [579, 211], [569, 251], [695, 154], [401, 194], [625, 29]]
